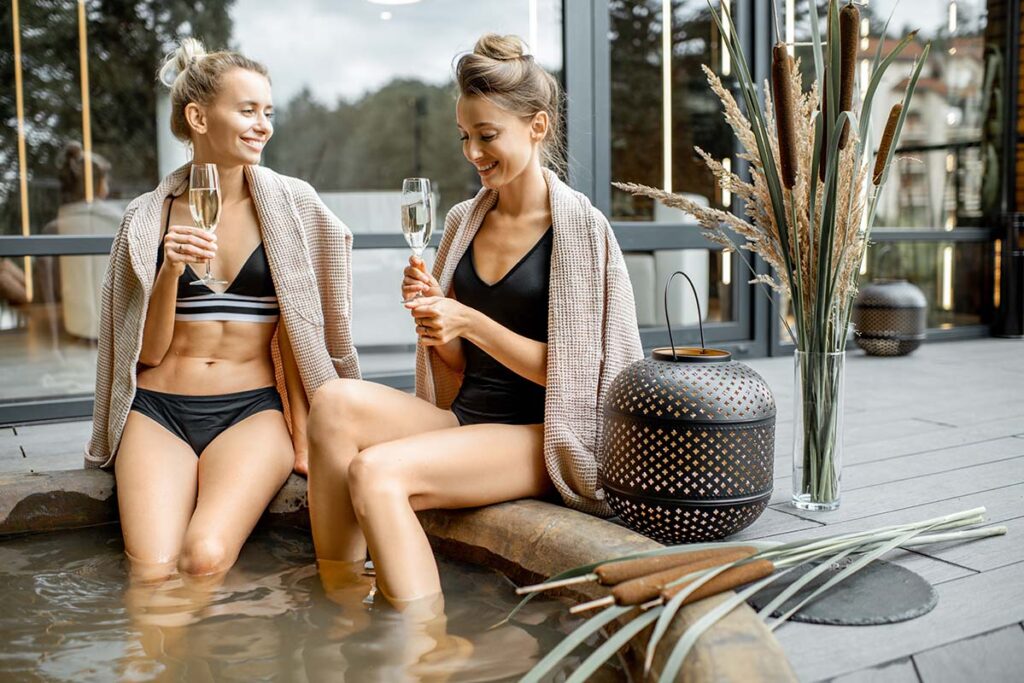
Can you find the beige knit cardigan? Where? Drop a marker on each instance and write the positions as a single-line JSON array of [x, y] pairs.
[[592, 333], [309, 252]]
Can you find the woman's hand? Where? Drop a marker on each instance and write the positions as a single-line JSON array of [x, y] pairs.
[[439, 319], [185, 244], [418, 281]]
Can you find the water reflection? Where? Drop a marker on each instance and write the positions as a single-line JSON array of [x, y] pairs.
[[71, 613]]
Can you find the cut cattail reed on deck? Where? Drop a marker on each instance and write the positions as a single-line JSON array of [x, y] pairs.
[[726, 567], [612, 573]]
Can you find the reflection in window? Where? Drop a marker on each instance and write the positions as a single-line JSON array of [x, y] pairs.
[[952, 275], [946, 173], [48, 346], [711, 272], [644, 94]]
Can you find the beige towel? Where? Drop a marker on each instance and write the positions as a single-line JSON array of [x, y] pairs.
[[592, 333], [309, 251]]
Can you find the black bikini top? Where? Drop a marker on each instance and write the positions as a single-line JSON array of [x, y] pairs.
[[250, 298]]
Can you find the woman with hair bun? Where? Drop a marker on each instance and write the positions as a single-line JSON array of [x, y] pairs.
[[201, 391], [527, 318]]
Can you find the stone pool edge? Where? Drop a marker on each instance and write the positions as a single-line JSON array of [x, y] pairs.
[[526, 540]]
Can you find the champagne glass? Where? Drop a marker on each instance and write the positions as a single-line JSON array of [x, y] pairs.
[[417, 215], [205, 202]]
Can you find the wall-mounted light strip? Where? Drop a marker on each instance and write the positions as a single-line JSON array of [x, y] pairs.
[[791, 26], [864, 262], [952, 16], [997, 267], [865, 31], [83, 66], [533, 26], [666, 92], [947, 278], [726, 267], [726, 22], [19, 107]]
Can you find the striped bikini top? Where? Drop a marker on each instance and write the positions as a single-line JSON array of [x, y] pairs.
[[250, 298]]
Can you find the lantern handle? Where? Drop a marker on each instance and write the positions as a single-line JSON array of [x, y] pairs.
[[887, 251], [700, 318]]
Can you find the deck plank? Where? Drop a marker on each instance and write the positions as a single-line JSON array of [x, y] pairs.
[[901, 671], [773, 522], [912, 467], [997, 656], [855, 454], [968, 606], [897, 495]]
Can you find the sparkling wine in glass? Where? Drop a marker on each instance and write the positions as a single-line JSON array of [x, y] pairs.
[[417, 215], [205, 203]]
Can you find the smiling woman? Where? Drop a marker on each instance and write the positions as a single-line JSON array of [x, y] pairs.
[[201, 392]]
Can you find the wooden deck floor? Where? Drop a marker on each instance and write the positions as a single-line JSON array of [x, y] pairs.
[[936, 432]]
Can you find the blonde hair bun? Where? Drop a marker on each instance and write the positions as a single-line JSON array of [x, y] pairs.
[[194, 75], [501, 48], [499, 70], [189, 52]]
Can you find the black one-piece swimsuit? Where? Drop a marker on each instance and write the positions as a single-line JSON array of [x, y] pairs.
[[251, 297], [491, 392]]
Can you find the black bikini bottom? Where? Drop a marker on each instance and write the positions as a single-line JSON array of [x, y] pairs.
[[198, 420]]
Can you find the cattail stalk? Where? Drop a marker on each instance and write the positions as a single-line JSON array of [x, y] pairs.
[[727, 580], [785, 112], [612, 573], [643, 588], [849, 31], [887, 139]]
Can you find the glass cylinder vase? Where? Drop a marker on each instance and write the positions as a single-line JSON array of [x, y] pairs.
[[818, 429]]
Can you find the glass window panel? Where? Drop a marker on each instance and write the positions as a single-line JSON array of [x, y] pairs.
[[947, 170], [954, 277], [48, 344], [362, 101], [650, 270], [641, 148]]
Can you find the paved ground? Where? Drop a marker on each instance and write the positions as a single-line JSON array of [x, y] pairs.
[[936, 432]]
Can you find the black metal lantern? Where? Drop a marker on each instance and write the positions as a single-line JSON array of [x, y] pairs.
[[689, 443], [889, 316]]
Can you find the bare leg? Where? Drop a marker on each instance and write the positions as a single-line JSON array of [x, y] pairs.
[[450, 468], [239, 473], [157, 475], [346, 417]]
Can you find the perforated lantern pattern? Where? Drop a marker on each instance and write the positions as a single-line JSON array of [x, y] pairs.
[[688, 448], [889, 316]]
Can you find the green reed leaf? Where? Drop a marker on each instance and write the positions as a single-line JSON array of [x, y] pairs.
[[608, 649], [572, 641]]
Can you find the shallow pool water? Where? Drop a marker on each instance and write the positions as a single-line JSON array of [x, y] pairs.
[[69, 614]]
